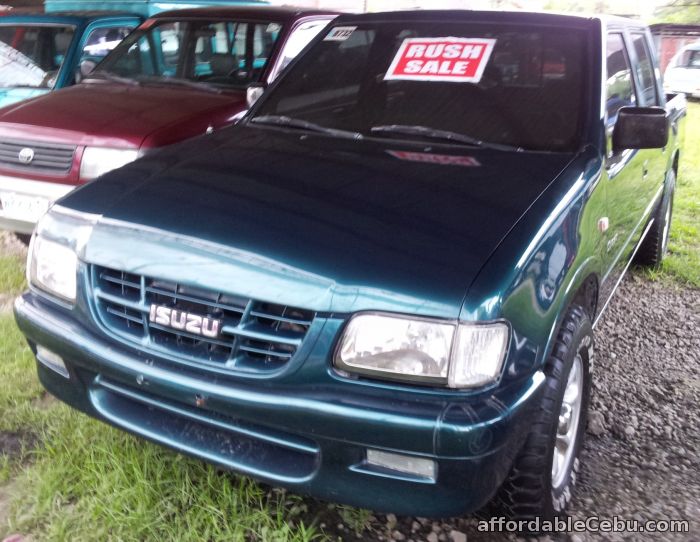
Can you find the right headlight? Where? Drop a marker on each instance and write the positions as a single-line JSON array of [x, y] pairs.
[[464, 355], [97, 161], [52, 261]]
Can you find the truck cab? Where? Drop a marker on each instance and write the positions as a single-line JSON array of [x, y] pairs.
[[181, 74]]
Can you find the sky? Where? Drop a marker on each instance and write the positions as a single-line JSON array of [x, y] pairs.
[[639, 8]]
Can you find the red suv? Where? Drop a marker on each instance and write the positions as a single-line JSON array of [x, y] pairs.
[[180, 74]]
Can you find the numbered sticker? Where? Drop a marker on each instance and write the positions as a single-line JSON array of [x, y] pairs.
[[340, 33]]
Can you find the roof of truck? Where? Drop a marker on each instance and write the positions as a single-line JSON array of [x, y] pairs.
[[450, 15], [276, 13], [70, 17]]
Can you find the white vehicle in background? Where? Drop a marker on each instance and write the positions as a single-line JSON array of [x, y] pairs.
[[683, 73]]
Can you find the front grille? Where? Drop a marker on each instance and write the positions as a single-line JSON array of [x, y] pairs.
[[255, 335], [46, 156]]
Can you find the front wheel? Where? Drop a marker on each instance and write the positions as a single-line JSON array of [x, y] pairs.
[[543, 476]]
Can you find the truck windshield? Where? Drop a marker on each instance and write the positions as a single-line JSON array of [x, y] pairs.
[[506, 86], [225, 53], [32, 55]]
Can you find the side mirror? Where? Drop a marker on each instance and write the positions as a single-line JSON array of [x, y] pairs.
[[87, 67], [640, 128], [253, 93]]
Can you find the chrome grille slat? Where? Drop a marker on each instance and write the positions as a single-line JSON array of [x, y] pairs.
[[47, 156], [182, 297], [254, 335]]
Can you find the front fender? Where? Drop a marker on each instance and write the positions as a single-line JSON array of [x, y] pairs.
[[539, 268]]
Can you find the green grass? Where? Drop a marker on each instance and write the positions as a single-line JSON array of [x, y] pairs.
[[19, 387], [682, 264], [92, 482], [88, 481], [11, 275]]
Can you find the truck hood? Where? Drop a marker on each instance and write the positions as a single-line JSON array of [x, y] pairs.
[[327, 224], [9, 96], [122, 116]]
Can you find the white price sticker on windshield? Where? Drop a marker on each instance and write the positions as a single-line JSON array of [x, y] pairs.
[[340, 33]]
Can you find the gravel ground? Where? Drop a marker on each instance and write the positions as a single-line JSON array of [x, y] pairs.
[[641, 458]]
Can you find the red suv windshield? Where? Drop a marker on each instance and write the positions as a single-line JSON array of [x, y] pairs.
[[214, 52]]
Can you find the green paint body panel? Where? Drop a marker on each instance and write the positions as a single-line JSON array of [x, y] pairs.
[[316, 222]]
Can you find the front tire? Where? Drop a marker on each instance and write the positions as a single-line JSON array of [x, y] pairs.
[[543, 476]]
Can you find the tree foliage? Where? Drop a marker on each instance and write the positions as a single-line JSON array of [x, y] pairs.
[[679, 11]]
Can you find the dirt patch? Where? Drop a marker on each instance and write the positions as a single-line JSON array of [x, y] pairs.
[[13, 444], [45, 401], [10, 444]]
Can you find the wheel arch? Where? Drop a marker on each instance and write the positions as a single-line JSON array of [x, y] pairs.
[[584, 290]]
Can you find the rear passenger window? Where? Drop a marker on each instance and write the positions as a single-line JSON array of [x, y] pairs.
[[620, 89], [645, 70]]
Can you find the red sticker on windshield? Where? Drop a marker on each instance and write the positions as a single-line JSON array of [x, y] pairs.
[[457, 60], [440, 159]]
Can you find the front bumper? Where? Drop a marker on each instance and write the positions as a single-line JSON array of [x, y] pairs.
[[312, 442], [23, 202]]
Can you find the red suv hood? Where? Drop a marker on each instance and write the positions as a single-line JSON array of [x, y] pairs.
[[117, 115]]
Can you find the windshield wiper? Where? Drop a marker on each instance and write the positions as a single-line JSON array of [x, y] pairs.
[[182, 82], [289, 122], [426, 132], [102, 74]]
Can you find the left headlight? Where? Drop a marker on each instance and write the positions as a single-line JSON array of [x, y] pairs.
[[55, 250], [421, 350], [97, 161]]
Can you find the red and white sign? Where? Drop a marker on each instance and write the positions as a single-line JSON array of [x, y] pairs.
[[457, 60], [440, 159]]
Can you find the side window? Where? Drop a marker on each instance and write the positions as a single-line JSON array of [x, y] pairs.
[[645, 70], [620, 89], [102, 40], [300, 38], [694, 59], [264, 39], [139, 60], [169, 36], [239, 41]]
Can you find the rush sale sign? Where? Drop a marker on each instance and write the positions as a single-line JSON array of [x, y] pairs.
[[457, 60]]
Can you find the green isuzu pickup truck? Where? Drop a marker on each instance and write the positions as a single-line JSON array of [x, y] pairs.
[[381, 286]]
